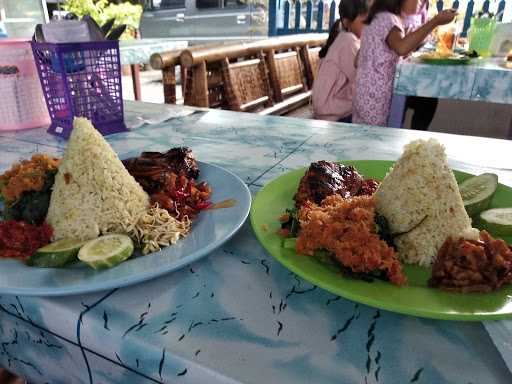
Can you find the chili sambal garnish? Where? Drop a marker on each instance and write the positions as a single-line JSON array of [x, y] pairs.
[[482, 265], [20, 240], [170, 179]]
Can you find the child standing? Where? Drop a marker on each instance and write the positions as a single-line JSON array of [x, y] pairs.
[[382, 44], [333, 86]]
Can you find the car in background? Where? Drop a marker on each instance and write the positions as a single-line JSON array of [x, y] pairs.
[[203, 21]]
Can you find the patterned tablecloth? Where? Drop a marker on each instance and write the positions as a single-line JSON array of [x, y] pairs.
[[482, 80], [238, 316], [139, 51]]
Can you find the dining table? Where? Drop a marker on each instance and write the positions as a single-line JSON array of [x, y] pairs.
[[482, 80], [238, 315]]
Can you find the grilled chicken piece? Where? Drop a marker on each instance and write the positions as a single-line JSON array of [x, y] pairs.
[[325, 178], [182, 161], [151, 165]]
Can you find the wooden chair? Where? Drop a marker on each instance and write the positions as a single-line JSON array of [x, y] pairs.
[[167, 63], [246, 85], [214, 73], [287, 80], [286, 74], [205, 86], [311, 61], [205, 81]]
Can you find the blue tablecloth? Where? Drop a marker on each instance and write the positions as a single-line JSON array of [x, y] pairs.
[[482, 80], [485, 80], [238, 316]]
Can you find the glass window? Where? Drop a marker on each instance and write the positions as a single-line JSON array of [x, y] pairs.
[[220, 4], [165, 4], [204, 4], [21, 17], [235, 3]]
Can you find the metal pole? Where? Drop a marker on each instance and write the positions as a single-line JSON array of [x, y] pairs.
[[45, 11]]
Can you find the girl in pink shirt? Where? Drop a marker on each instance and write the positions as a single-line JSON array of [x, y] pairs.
[[382, 43], [333, 86]]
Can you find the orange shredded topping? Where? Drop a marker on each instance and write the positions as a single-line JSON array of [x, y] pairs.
[[27, 175], [346, 228]]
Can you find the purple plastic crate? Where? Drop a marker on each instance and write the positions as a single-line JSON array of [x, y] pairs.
[[81, 80]]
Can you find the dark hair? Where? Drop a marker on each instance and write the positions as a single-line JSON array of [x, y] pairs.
[[392, 6], [347, 9], [333, 34]]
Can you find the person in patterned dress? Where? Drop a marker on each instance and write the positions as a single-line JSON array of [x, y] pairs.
[[383, 42]]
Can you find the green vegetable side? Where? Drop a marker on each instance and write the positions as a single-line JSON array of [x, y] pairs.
[[32, 207], [290, 228]]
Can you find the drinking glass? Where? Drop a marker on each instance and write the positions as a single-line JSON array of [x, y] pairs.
[[481, 34]]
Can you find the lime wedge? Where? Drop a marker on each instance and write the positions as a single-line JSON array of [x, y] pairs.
[[497, 221], [477, 192], [56, 254], [106, 251]]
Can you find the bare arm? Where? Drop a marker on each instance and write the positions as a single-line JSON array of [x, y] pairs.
[[403, 45]]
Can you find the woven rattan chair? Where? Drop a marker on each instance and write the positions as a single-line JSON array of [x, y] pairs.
[[246, 85], [208, 68], [286, 74], [205, 86], [287, 80], [167, 63], [311, 61]]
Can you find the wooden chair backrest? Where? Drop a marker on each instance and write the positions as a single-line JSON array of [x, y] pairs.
[[246, 85], [286, 73], [207, 70], [311, 61], [205, 86], [201, 67]]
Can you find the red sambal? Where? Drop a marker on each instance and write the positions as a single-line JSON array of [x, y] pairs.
[[20, 240]]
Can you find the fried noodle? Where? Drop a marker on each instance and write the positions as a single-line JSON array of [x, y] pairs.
[[156, 228]]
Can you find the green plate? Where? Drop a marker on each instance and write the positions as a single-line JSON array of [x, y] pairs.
[[415, 299], [446, 61]]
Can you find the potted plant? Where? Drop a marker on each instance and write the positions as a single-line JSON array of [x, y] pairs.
[[103, 10]]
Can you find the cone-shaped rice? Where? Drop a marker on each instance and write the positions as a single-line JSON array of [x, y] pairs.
[[93, 193], [421, 188]]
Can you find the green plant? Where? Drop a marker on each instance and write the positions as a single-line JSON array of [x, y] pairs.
[[102, 10]]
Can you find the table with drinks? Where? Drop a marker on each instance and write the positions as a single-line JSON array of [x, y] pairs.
[[485, 78], [480, 77]]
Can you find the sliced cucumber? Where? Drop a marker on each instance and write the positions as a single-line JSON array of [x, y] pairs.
[[477, 192], [290, 243], [56, 254], [106, 251], [497, 221]]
